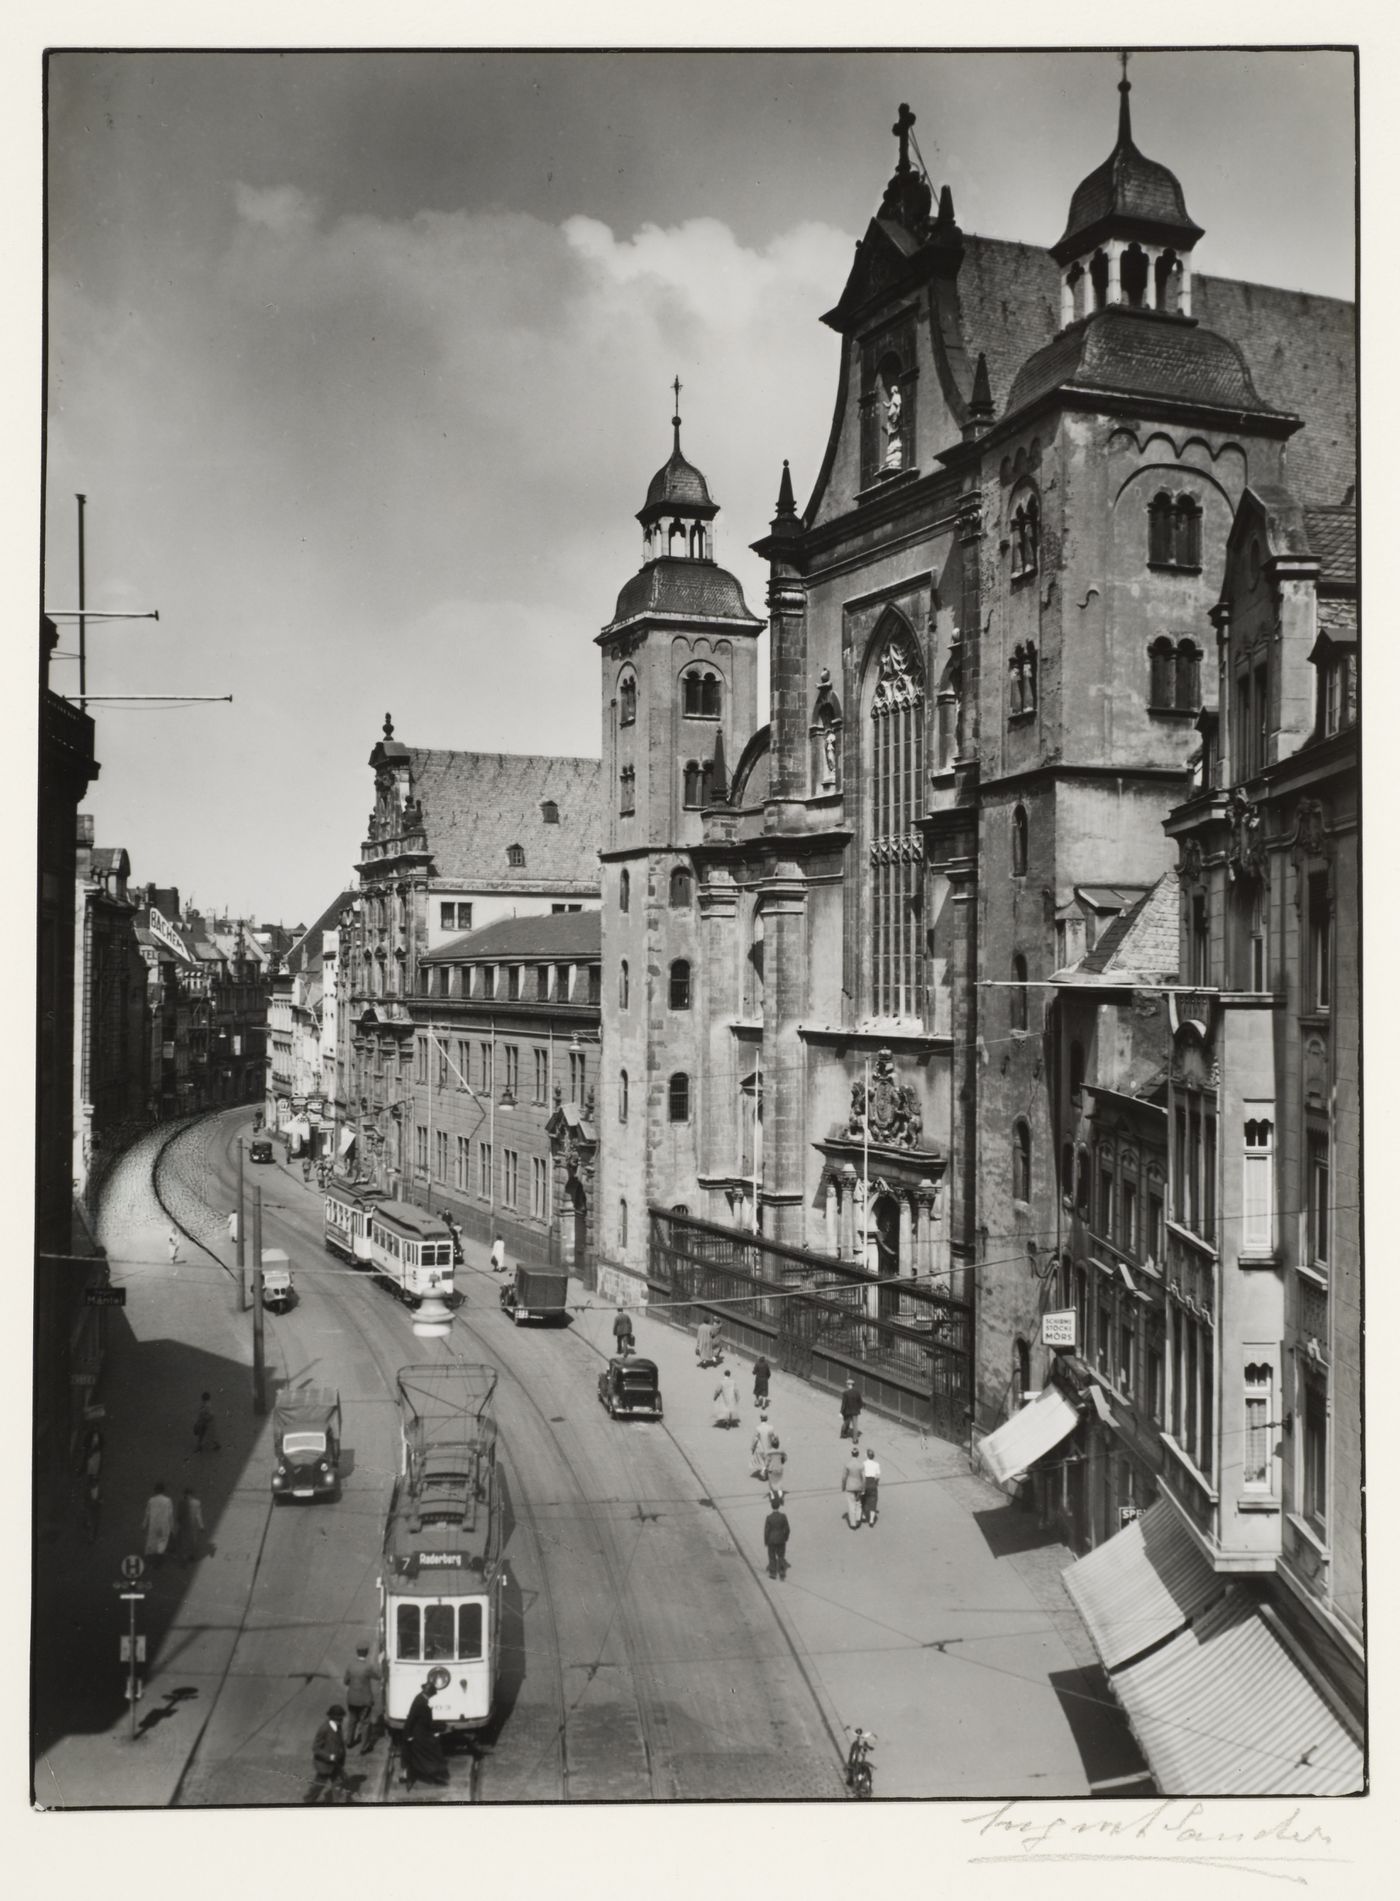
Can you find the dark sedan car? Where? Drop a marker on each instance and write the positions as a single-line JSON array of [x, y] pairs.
[[630, 1386]]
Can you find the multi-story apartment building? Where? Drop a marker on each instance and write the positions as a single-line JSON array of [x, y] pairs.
[[111, 1054]]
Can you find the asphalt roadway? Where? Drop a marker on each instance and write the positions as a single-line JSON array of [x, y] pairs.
[[648, 1655]]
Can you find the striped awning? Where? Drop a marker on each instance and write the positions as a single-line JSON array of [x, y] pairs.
[[1141, 1585], [1028, 1435], [1225, 1709]]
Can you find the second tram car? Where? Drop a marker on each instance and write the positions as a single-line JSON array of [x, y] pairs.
[[347, 1213], [410, 1250], [441, 1586]]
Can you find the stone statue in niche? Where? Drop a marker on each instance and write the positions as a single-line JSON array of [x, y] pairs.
[[829, 757], [888, 1111], [894, 429]]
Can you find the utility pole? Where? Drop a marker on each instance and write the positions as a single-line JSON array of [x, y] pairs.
[[259, 1366], [82, 604], [238, 1239]]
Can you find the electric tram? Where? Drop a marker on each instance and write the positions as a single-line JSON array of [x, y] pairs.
[[442, 1581], [410, 1250], [347, 1213]]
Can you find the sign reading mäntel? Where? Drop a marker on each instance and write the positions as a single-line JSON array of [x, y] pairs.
[[1059, 1329]]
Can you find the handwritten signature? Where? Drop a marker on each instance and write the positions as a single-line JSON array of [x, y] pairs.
[[1163, 1830]]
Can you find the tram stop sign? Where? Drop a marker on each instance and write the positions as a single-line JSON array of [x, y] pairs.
[[132, 1568]]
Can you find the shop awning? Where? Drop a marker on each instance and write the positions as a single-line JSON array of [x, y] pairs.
[[1225, 1709], [1141, 1585], [1028, 1435], [347, 1142]]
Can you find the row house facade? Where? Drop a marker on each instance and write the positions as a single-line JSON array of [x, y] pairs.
[[455, 843], [111, 1046], [300, 1095]]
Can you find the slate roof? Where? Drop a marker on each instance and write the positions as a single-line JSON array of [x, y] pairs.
[[688, 588], [305, 954], [1332, 538], [1142, 943], [1300, 349], [1128, 189], [564, 936], [679, 481], [477, 805], [1131, 352]]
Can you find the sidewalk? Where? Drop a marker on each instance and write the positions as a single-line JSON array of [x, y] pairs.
[[914, 1628]]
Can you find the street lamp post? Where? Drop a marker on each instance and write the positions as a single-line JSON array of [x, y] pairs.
[[259, 1365]]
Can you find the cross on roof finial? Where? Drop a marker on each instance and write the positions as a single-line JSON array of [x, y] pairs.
[[676, 418], [901, 128], [1125, 124]]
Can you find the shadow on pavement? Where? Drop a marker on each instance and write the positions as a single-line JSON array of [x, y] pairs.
[[1009, 1529]]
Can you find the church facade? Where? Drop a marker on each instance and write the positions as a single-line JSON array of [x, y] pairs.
[[828, 939]]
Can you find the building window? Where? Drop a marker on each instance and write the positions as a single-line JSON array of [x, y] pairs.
[[1257, 958], [1128, 1216], [1020, 841], [1106, 1203], [455, 916], [539, 1188], [1257, 1226], [1319, 1192], [624, 891], [1154, 1369], [1319, 943], [515, 854], [577, 1072], [1023, 678], [1175, 683], [700, 694], [1081, 1184], [678, 1097], [1025, 538], [513, 1068], [420, 1148], [1251, 712], [1103, 1332], [624, 987], [483, 1172], [440, 1146], [1173, 532], [1020, 1002], [1313, 1406], [1337, 685], [542, 983], [627, 792], [513, 976], [549, 811], [622, 1096], [510, 1177], [1200, 938], [1156, 1229], [488, 1068], [442, 1062], [627, 700], [622, 1222], [1258, 1425], [680, 984], [895, 852], [420, 1057], [541, 1076], [1192, 1373], [696, 784], [1021, 1160], [463, 1179], [1126, 1344], [680, 889]]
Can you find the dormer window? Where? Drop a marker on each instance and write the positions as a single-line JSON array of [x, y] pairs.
[[1174, 532], [515, 855], [700, 694], [549, 812]]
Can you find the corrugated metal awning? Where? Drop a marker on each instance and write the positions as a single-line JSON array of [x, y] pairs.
[[1141, 1585], [1224, 1709], [1028, 1435]]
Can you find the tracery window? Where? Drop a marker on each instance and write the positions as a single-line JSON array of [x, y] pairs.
[[627, 700], [896, 856], [1173, 531]]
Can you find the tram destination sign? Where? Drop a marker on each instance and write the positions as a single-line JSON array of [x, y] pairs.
[[105, 1296]]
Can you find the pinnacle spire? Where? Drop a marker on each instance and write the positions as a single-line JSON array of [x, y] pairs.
[[981, 402], [676, 418], [1125, 119], [787, 504]]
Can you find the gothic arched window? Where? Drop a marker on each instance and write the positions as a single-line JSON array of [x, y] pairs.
[[622, 1096], [691, 792], [680, 889], [1020, 1160], [624, 985], [680, 984], [1020, 841], [678, 1097], [895, 848], [627, 700], [700, 694]]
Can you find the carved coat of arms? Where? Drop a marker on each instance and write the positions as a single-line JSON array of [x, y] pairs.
[[889, 1111]]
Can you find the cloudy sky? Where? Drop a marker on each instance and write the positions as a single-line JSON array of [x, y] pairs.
[[362, 362]]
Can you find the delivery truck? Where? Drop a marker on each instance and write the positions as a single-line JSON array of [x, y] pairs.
[[537, 1293]]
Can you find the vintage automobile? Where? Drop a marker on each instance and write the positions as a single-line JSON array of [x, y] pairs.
[[277, 1291], [306, 1428], [260, 1152], [630, 1386], [536, 1293]]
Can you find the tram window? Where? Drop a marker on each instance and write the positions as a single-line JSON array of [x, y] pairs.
[[410, 1253], [438, 1633], [468, 1631], [410, 1646]]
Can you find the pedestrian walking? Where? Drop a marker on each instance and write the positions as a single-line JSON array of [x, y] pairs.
[[359, 1699], [708, 1350], [498, 1256], [233, 1226], [172, 1241], [423, 1758], [204, 1426], [189, 1527], [158, 1523], [91, 1515], [726, 1411], [758, 1447], [853, 1484], [776, 1532], [622, 1330], [776, 1466], [762, 1373], [328, 1758], [851, 1403], [870, 1494]]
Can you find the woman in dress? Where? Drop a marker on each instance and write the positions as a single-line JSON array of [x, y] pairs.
[[726, 1401], [423, 1757]]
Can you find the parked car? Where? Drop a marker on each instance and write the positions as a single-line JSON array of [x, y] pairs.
[[630, 1386], [537, 1293], [260, 1152]]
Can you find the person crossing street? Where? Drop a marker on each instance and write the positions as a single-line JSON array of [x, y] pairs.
[[776, 1532], [359, 1698]]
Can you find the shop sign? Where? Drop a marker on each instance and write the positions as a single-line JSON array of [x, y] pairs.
[[161, 928], [105, 1296], [1127, 1513], [1059, 1329]]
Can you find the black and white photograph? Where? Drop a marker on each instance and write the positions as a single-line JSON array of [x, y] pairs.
[[698, 1007]]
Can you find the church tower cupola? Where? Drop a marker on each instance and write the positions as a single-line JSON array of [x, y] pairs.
[[1129, 237], [678, 511]]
